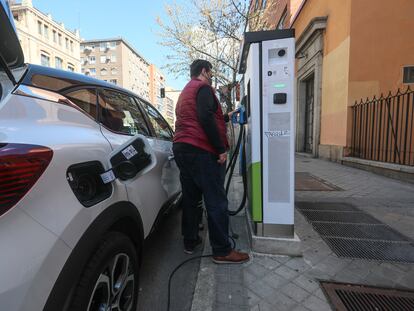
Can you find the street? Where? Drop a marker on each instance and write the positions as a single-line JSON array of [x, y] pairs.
[[163, 251]]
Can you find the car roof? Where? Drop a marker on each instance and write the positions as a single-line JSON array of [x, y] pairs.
[[73, 80]]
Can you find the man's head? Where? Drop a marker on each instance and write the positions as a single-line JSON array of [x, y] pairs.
[[201, 69]]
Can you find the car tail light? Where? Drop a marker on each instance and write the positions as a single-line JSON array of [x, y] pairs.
[[21, 166]]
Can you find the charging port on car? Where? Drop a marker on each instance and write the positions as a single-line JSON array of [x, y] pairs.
[[86, 183]]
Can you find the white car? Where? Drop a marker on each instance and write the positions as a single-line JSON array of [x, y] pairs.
[[85, 169]]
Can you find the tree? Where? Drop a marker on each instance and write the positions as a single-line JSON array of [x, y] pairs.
[[208, 29]]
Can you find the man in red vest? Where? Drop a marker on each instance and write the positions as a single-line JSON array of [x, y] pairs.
[[200, 145]]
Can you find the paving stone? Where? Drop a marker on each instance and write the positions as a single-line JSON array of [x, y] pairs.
[[300, 308], [233, 299], [252, 298], [359, 267], [228, 307], [308, 284], [295, 292], [408, 280], [332, 265], [263, 306], [275, 281], [316, 304], [248, 277], [257, 270], [286, 272], [282, 259], [267, 262], [387, 272], [297, 264], [377, 280], [319, 293], [281, 302], [233, 278], [261, 288], [345, 276]]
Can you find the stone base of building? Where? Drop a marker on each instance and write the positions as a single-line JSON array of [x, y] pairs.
[[396, 171], [331, 152]]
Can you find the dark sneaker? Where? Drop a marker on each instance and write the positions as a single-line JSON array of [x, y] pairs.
[[190, 246], [233, 258]]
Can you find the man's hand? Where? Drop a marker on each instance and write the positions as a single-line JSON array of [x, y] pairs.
[[222, 158]]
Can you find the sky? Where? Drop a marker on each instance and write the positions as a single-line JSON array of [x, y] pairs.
[[134, 20]]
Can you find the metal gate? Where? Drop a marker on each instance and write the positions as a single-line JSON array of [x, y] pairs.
[[383, 128]]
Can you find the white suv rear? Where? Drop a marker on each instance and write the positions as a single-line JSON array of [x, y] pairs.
[[85, 169]]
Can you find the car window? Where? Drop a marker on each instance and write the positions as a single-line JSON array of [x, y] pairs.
[[120, 113], [161, 127], [85, 99]]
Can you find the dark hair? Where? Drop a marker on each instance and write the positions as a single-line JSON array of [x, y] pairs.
[[197, 66]]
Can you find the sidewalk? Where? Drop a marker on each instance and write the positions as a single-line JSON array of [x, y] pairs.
[[288, 283]]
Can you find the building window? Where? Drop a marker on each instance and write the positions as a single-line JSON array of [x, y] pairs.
[[39, 27], [58, 63], [71, 46], [114, 71], [67, 43], [92, 59], [104, 72], [408, 76], [264, 4], [113, 81], [256, 5], [46, 31], [71, 67], [113, 58], [102, 46], [103, 59], [92, 71], [54, 36], [44, 60], [113, 45], [60, 39], [281, 24]]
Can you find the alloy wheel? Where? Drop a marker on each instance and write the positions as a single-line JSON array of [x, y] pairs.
[[115, 286]]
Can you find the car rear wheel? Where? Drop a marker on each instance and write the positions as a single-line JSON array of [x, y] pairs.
[[110, 279]]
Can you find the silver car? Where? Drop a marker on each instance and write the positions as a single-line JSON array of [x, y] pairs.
[[86, 167]]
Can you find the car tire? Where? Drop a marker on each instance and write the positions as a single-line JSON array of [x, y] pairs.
[[110, 278]]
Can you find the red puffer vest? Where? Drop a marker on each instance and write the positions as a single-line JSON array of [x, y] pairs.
[[187, 128]]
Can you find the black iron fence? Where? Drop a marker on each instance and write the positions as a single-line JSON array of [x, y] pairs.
[[383, 128]]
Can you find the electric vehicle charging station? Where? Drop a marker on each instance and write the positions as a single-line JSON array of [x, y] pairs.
[[267, 61]]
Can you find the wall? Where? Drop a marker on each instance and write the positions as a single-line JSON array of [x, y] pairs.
[[382, 43], [335, 66]]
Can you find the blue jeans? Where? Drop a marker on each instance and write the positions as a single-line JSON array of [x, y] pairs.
[[201, 175]]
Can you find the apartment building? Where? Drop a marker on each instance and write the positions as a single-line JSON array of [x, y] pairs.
[[45, 41], [116, 61], [157, 81], [171, 96]]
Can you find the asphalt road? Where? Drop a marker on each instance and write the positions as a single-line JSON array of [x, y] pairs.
[[163, 251]]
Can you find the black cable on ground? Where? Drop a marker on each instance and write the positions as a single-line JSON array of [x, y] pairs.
[[175, 270], [182, 264]]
